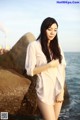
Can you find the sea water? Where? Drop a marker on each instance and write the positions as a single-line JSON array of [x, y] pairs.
[[71, 111]]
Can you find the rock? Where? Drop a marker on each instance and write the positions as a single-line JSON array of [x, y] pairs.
[[13, 88], [66, 95], [15, 58]]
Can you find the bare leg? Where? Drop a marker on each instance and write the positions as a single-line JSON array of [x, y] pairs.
[[57, 109], [46, 110], [58, 104]]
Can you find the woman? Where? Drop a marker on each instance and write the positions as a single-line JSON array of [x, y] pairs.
[[45, 59]]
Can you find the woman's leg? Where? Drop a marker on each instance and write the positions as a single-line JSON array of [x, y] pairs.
[[46, 110], [58, 104], [57, 109]]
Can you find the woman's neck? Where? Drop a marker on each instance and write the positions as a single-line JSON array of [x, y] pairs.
[[48, 43]]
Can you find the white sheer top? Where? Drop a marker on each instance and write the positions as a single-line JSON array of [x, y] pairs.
[[49, 82]]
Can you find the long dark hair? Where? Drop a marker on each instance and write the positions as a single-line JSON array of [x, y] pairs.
[[44, 40]]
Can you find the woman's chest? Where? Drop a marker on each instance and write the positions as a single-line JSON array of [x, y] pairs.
[[40, 57]]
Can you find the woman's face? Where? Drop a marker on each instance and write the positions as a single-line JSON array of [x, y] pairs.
[[51, 32]]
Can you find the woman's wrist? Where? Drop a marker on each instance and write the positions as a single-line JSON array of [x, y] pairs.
[[49, 65]]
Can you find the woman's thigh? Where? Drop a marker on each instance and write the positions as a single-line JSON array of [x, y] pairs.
[[46, 110]]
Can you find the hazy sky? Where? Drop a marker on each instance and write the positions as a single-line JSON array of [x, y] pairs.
[[18, 17]]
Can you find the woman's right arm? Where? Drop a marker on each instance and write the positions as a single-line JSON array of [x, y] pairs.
[[30, 62], [53, 63]]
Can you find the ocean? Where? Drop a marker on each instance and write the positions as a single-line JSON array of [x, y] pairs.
[[71, 111]]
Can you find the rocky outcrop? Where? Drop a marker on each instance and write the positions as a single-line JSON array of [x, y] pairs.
[[13, 88], [16, 88], [15, 58]]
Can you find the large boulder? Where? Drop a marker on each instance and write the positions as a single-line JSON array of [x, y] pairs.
[[13, 87], [15, 60]]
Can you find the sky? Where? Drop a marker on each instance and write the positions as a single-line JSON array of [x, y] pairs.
[[18, 17]]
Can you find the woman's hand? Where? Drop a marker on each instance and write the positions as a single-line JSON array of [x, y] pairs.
[[60, 97], [54, 63]]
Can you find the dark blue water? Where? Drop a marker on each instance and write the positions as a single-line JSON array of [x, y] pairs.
[[71, 111]]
